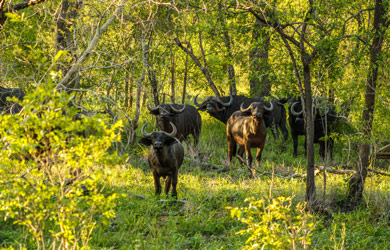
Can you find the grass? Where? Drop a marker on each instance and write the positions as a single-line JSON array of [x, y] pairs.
[[203, 222]]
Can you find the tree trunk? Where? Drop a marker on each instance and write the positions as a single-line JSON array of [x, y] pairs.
[[356, 183], [183, 99], [310, 181], [260, 85], [173, 79], [64, 39], [226, 39]]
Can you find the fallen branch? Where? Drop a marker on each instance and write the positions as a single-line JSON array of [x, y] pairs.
[[338, 171], [383, 155], [334, 171]]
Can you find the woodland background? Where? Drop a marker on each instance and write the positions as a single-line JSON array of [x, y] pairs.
[[117, 55]]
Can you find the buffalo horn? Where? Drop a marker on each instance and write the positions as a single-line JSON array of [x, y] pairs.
[[271, 107], [293, 110], [173, 133], [196, 103], [177, 111], [151, 109], [144, 133], [227, 103], [242, 108]]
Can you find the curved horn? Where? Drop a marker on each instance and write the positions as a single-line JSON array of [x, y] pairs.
[[196, 103], [178, 110], [242, 108], [151, 109], [143, 131], [227, 103], [270, 108], [173, 133], [295, 112]]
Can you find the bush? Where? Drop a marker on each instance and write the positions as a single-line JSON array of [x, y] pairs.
[[51, 167], [275, 225]]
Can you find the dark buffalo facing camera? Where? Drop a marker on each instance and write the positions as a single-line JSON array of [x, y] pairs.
[[324, 118], [247, 128], [165, 157], [185, 117]]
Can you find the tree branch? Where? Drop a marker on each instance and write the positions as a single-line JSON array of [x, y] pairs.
[[204, 69], [92, 44]]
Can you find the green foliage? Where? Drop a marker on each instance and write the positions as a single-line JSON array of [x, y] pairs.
[[52, 168], [275, 225]]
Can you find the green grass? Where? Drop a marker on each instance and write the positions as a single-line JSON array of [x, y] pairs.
[[203, 222]]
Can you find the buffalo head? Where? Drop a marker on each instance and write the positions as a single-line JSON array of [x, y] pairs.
[[213, 104], [165, 110], [158, 139], [256, 109]]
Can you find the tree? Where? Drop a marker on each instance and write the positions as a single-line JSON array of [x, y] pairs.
[[260, 84], [380, 23], [306, 32]]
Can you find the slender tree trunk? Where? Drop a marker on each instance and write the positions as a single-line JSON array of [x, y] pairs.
[[227, 41], [64, 39], [356, 183], [260, 85], [154, 84], [310, 181], [185, 80], [173, 78], [127, 94]]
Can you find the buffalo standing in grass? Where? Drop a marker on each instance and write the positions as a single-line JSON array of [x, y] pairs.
[[324, 117], [165, 157], [247, 128], [185, 117], [222, 108]]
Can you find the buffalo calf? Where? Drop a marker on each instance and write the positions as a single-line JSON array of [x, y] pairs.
[[165, 157]]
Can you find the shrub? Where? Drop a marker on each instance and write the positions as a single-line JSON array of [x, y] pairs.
[[273, 225], [51, 167]]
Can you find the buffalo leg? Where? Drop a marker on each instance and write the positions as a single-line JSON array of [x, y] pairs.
[[240, 155], [284, 131], [157, 184], [168, 183], [174, 184], [295, 143], [249, 159], [258, 154], [232, 148]]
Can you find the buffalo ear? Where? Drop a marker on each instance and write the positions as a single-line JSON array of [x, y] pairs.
[[146, 141], [155, 112], [171, 140], [203, 108]]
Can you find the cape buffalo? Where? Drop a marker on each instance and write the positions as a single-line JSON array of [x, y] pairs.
[[222, 108], [165, 157], [185, 117], [247, 128], [324, 117]]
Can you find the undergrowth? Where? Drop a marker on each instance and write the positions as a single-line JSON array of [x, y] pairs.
[[201, 221]]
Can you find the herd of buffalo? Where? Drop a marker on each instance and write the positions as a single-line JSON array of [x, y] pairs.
[[246, 119]]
